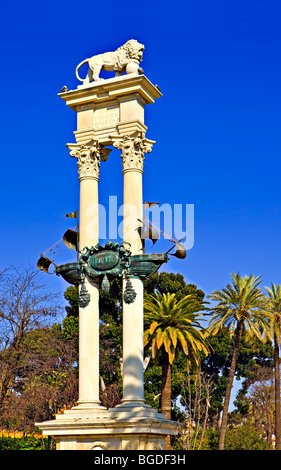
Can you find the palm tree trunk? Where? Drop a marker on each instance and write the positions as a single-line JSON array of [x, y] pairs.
[[229, 384], [166, 392], [277, 394]]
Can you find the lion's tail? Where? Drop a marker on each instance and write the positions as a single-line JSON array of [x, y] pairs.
[[78, 67]]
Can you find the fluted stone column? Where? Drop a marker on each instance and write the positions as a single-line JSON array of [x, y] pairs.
[[132, 153], [88, 161]]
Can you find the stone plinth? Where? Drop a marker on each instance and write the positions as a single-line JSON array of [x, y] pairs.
[[139, 428]]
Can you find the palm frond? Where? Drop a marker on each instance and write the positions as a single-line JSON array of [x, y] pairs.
[[175, 325], [240, 302]]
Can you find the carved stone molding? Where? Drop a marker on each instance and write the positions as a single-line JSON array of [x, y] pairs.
[[89, 157], [133, 149]]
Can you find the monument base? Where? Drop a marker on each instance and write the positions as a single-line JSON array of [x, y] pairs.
[[125, 427]]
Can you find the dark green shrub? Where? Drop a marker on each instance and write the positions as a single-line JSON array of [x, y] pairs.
[[25, 443]]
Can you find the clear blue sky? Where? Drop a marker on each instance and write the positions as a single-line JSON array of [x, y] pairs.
[[217, 126]]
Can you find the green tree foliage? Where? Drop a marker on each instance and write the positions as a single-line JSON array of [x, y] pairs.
[[173, 328], [110, 305], [45, 380], [273, 309], [244, 437], [257, 404], [40, 363], [196, 391], [239, 309], [71, 295], [28, 346], [167, 283], [111, 334], [253, 355], [172, 283]]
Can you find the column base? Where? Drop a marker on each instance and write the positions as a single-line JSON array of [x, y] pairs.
[[130, 409], [81, 404]]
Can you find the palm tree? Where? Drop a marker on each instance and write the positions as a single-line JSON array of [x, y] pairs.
[[238, 308], [174, 327], [273, 307]]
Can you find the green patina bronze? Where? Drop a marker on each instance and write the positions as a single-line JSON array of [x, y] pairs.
[[84, 297], [69, 272], [143, 266], [108, 262], [112, 260]]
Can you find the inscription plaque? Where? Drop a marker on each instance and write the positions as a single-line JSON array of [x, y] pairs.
[[104, 261], [106, 117]]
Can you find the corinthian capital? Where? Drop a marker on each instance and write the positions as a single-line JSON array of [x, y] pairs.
[[89, 157], [133, 150]]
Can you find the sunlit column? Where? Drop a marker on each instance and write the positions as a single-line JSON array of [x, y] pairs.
[[132, 153], [88, 161]]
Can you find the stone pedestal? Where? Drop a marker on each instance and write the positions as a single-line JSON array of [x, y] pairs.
[[138, 428]]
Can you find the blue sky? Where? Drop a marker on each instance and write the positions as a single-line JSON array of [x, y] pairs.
[[217, 126]]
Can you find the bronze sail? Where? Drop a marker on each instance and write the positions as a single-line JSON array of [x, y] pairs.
[[44, 263], [70, 239]]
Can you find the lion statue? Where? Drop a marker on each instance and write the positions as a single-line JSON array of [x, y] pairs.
[[117, 61]]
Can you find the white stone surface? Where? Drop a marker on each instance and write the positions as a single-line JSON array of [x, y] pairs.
[[112, 107], [138, 428]]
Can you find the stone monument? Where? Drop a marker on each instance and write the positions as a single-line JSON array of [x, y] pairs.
[[110, 112]]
